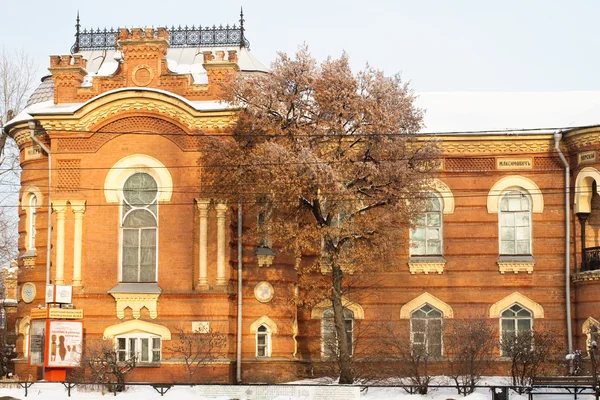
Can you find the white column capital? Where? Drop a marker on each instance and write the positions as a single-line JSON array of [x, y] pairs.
[[221, 209], [203, 205], [78, 206], [60, 207]]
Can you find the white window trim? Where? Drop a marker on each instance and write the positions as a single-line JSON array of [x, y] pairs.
[[323, 352], [268, 346], [441, 212], [425, 337], [139, 337], [28, 193], [529, 199], [121, 201]]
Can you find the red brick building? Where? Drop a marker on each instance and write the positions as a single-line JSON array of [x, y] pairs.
[[146, 254]]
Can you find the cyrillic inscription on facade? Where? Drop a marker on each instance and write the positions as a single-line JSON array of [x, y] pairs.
[[33, 152], [514, 163], [586, 157]]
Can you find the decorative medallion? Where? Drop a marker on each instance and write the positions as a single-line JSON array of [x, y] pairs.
[[263, 291], [28, 292], [142, 75]]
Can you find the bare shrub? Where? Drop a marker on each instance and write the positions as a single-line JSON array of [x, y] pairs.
[[469, 345], [528, 351], [198, 349]]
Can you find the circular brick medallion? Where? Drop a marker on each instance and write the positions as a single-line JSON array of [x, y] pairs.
[[142, 75]]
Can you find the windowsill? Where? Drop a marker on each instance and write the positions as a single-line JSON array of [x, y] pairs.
[[426, 264], [139, 287], [147, 364], [515, 263], [29, 253]]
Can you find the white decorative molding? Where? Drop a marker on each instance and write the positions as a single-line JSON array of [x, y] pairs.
[[584, 276], [357, 310], [136, 301], [420, 301], [446, 195], [127, 166], [516, 298], [263, 320], [515, 266], [137, 325], [583, 189], [515, 181], [416, 266]]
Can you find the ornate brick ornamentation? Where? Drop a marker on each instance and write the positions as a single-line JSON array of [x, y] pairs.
[[69, 175], [515, 266], [469, 164], [136, 301], [548, 163]]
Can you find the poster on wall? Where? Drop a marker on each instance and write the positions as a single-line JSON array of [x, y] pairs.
[[64, 343], [36, 342]]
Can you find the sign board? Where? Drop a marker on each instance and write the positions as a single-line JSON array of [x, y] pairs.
[[56, 313], [64, 343], [586, 157], [59, 294], [201, 326], [37, 331], [514, 163], [33, 152]]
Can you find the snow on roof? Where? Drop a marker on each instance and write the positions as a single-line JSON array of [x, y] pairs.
[[510, 111], [186, 60]]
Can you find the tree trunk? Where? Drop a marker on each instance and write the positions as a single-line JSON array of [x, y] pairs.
[[344, 358]]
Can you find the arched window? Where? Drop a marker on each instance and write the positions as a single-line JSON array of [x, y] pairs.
[[515, 223], [32, 219], [515, 319], [139, 229], [263, 341], [329, 343], [426, 237], [426, 331]]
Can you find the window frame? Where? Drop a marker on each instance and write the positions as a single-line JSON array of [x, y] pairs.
[[426, 330], [425, 214], [31, 229], [529, 211], [515, 319], [126, 352], [123, 214], [348, 316], [267, 345]]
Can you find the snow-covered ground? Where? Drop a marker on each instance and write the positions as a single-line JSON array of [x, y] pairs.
[[56, 391]]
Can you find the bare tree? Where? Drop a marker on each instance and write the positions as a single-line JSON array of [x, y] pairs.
[[103, 364], [528, 351], [334, 161], [17, 76], [198, 349], [469, 346]]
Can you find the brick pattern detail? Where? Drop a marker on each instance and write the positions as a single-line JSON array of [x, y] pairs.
[[142, 125], [547, 163], [69, 175], [82, 145], [470, 164]]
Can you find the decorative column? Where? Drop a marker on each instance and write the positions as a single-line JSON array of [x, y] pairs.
[[78, 207], [202, 205], [221, 209], [60, 207], [583, 217]]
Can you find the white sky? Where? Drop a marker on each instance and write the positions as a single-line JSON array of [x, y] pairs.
[[459, 45]]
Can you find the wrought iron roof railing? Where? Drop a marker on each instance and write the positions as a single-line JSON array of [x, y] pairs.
[[221, 36]]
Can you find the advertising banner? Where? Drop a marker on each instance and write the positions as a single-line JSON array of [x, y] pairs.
[[64, 343]]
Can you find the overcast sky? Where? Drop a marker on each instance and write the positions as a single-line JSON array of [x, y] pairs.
[[510, 45]]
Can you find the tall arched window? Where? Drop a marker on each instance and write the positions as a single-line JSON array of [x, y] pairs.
[[263, 341], [515, 223], [426, 331], [32, 220], [139, 229], [426, 237], [329, 341]]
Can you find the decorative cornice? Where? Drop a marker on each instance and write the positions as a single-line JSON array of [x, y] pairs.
[[515, 266], [424, 266], [495, 145], [136, 301], [584, 276]]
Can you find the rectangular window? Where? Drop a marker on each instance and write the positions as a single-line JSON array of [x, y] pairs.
[[144, 349]]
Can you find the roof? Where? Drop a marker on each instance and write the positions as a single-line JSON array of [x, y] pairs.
[[44, 92], [508, 112]]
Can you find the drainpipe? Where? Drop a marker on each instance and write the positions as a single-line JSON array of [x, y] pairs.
[[32, 126], [557, 138], [239, 297]]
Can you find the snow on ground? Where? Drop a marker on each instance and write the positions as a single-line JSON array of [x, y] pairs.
[[56, 391]]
